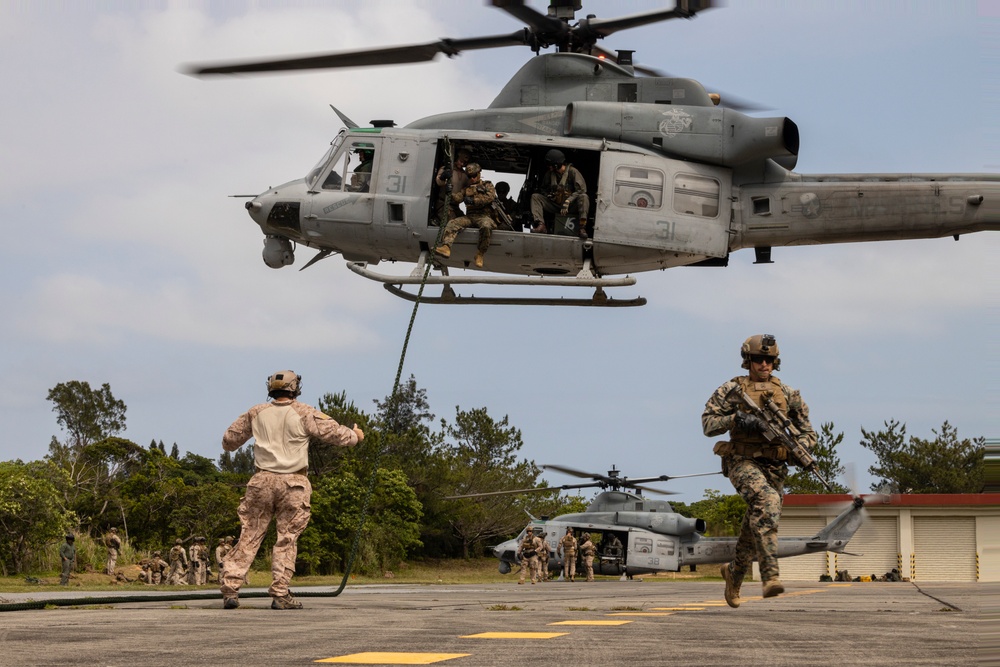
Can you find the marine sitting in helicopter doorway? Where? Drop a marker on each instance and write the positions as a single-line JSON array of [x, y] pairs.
[[563, 190], [478, 197]]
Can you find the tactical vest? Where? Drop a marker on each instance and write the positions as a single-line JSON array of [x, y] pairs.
[[478, 190], [759, 392]]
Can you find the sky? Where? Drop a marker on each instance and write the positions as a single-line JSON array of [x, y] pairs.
[[126, 262]]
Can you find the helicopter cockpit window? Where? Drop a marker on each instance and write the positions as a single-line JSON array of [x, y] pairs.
[[315, 172], [638, 187], [696, 195], [352, 169]]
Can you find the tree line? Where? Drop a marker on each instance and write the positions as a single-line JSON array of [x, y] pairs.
[[93, 479]]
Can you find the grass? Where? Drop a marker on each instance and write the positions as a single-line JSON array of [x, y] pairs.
[[427, 571]]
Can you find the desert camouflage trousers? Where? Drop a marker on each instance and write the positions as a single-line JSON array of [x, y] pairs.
[[569, 564], [761, 485], [588, 567], [285, 498], [529, 567], [484, 222]]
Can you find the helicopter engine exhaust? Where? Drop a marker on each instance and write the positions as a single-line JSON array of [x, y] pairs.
[[664, 523], [708, 134], [278, 252]]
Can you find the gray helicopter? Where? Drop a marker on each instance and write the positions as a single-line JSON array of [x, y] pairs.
[[675, 175], [651, 537]]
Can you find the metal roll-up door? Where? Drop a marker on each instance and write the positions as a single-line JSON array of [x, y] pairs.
[[944, 548], [877, 542], [809, 567]]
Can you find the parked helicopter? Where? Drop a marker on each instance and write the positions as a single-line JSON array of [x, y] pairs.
[[651, 537], [677, 176]]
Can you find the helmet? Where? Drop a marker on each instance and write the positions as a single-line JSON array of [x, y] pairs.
[[762, 345], [156, 553], [473, 169], [70, 538], [555, 156], [177, 541], [113, 529], [284, 381], [585, 536]]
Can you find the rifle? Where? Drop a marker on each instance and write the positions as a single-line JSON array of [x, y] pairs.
[[502, 215], [779, 430]]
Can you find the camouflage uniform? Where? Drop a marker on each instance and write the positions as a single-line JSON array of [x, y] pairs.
[[220, 555], [199, 562], [178, 564], [567, 550], [588, 551], [543, 560], [528, 551], [478, 213], [459, 180], [67, 556], [157, 568], [114, 544], [758, 479], [561, 192], [280, 489]]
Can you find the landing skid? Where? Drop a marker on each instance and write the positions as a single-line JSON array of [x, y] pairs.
[[586, 278]]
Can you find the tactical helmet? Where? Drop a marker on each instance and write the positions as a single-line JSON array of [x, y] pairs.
[[762, 345], [177, 541], [113, 529], [284, 381], [585, 536], [473, 169], [156, 553], [70, 538], [555, 156]]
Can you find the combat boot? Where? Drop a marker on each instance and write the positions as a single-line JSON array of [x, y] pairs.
[[732, 586], [231, 603], [773, 588], [285, 602], [443, 250], [479, 260]]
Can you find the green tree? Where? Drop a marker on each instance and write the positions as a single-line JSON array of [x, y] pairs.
[[85, 414], [391, 528], [31, 513], [827, 462], [723, 513], [483, 458], [944, 464]]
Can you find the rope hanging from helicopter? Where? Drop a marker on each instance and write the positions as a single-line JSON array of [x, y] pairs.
[[365, 505]]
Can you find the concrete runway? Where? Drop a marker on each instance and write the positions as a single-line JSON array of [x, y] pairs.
[[557, 623]]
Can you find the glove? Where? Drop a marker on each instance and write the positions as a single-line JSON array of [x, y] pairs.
[[748, 422], [469, 201], [445, 174], [564, 210]]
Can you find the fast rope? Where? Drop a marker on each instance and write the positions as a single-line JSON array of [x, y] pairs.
[[214, 595]]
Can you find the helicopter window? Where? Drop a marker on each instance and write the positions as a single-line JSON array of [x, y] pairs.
[[638, 187], [696, 195], [352, 168], [315, 172], [761, 205]]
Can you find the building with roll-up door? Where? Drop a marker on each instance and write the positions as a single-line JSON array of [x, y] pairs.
[[927, 537]]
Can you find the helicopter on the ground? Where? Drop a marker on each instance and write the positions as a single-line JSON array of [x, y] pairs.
[[651, 537], [676, 176]]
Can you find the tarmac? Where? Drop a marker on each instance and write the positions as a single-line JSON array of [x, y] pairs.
[[558, 623]]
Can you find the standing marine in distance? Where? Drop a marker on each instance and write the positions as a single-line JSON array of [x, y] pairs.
[[756, 468]]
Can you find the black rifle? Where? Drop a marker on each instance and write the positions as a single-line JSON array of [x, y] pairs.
[[778, 429]]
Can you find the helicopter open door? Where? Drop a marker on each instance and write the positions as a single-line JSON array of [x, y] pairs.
[[645, 201]]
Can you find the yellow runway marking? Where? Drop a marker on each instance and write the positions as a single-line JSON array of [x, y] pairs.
[[840, 585], [590, 623], [374, 658], [712, 604], [642, 613], [807, 592], [700, 608], [514, 635]]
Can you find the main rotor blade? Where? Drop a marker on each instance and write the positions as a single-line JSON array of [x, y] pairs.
[[395, 55], [597, 28], [575, 473], [649, 489], [536, 489], [539, 22]]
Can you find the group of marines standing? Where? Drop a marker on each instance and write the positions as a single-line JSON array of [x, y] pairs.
[[534, 554]]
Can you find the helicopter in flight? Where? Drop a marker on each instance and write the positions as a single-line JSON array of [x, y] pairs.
[[675, 175], [644, 536]]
